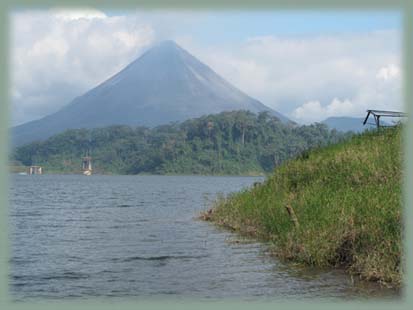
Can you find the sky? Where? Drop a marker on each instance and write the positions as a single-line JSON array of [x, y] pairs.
[[308, 65]]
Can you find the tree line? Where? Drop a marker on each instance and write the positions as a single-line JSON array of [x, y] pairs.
[[236, 142]]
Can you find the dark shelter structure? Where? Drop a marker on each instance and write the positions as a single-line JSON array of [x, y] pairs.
[[378, 113]]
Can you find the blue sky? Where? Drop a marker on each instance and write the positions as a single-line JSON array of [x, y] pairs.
[[234, 26], [308, 65]]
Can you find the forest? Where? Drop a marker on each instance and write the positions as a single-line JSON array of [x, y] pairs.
[[231, 143]]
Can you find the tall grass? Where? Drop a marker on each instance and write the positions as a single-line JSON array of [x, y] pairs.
[[345, 201]]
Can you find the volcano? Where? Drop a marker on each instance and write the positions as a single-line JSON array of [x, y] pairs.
[[165, 84]]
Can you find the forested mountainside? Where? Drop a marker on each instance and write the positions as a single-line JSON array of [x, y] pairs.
[[237, 142]]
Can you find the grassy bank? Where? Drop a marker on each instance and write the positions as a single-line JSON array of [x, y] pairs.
[[335, 206]]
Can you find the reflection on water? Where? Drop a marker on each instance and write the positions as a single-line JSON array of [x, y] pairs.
[[138, 236]]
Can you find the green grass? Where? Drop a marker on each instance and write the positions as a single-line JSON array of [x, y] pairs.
[[347, 199]]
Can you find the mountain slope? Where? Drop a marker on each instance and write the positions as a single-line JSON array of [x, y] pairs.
[[165, 84], [347, 124]]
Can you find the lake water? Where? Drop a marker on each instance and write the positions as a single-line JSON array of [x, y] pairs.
[[128, 237]]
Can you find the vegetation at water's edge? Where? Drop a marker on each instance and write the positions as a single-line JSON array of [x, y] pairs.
[[237, 142], [335, 206], [16, 167]]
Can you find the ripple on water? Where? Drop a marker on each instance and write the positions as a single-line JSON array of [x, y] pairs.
[[140, 237]]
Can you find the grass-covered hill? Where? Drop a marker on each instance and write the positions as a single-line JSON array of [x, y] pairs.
[[335, 206], [237, 142]]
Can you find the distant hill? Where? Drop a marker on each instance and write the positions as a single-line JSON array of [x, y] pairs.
[[166, 84], [347, 124], [237, 142]]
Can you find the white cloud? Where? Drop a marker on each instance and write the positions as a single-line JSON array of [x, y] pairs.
[[345, 73], [388, 72], [57, 55], [309, 111], [313, 111], [73, 14], [384, 93]]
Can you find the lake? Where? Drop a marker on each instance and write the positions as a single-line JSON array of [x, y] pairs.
[[129, 237]]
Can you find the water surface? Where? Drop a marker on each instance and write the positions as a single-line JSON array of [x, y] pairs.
[[138, 237]]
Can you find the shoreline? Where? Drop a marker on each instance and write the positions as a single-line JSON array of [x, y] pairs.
[[153, 174], [337, 207], [254, 234]]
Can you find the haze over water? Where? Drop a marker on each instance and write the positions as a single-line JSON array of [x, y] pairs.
[[123, 237]]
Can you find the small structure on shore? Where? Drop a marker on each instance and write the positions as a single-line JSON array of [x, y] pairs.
[[379, 113], [35, 170], [87, 165]]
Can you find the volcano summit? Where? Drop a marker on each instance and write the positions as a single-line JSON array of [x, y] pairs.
[[165, 84]]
